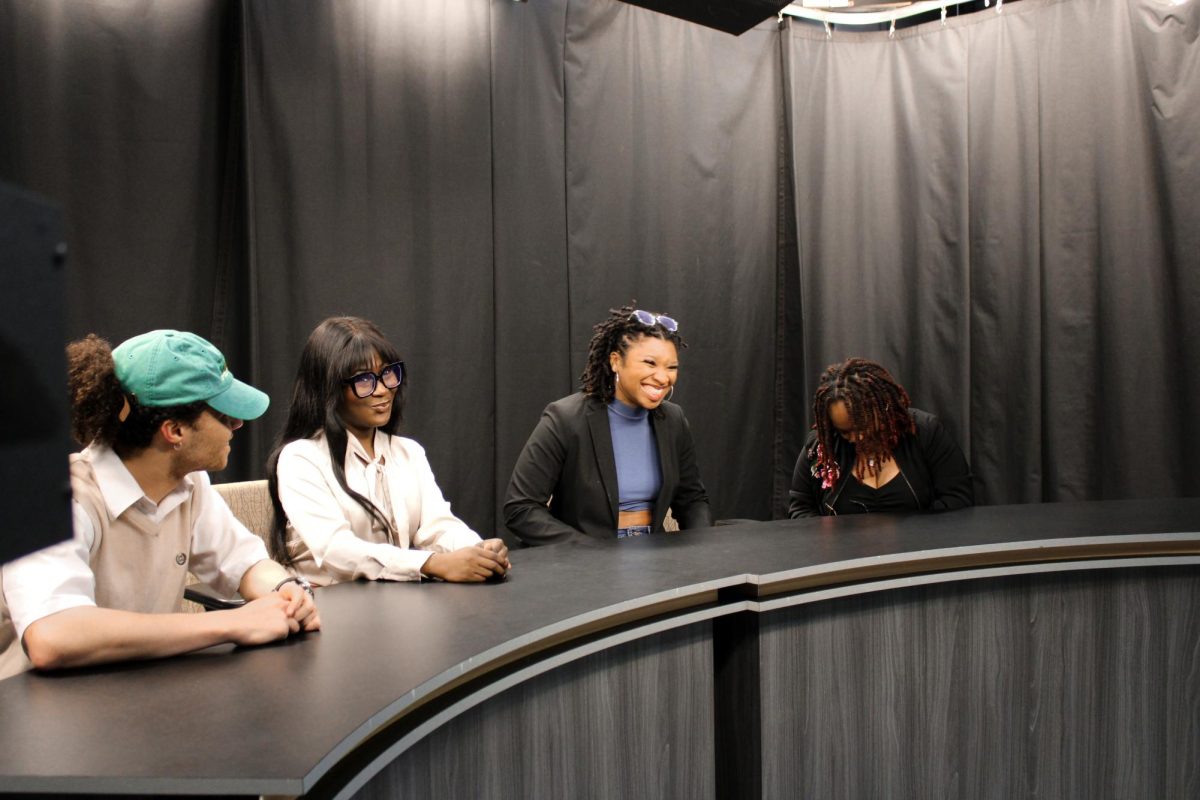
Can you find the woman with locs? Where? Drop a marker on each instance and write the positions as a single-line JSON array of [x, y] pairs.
[[611, 460], [869, 451]]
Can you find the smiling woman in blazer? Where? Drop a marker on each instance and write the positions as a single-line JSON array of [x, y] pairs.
[[609, 461]]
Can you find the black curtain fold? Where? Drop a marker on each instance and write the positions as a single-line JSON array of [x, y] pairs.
[[1006, 258], [671, 146], [118, 113], [1007, 180], [370, 178], [880, 169], [1003, 210], [790, 378], [529, 223]]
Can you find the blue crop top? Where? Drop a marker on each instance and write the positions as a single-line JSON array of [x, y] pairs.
[[639, 475]]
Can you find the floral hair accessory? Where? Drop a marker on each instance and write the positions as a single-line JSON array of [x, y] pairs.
[[825, 469]]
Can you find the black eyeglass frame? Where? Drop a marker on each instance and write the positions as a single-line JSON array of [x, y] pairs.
[[394, 368], [668, 324]]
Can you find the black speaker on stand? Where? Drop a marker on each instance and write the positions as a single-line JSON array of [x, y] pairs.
[[35, 489], [733, 16]]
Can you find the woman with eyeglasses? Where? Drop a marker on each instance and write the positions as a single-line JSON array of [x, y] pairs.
[[352, 498], [869, 451], [609, 461]]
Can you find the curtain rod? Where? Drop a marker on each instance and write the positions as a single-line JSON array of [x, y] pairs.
[[873, 17]]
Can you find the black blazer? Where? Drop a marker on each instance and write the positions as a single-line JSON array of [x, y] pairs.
[[929, 460], [569, 462]]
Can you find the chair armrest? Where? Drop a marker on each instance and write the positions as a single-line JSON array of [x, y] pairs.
[[202, 594]]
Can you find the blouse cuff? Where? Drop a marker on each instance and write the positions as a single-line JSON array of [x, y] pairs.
[[407, 565]]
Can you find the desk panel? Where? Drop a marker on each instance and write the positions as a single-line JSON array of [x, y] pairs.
[[632, 721], [1071, 685]]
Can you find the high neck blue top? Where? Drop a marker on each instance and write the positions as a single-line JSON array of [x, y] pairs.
[[639, 475]]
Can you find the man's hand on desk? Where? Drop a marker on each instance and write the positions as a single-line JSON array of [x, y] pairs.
[[301, 606]]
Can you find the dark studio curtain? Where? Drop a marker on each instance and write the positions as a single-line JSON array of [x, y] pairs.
[[121, 114], [671, 133], [1003, 211], [635, 159], [529, 239], [129, 116], [369, 176]]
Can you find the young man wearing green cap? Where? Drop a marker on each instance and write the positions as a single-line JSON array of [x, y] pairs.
[[157, 413]]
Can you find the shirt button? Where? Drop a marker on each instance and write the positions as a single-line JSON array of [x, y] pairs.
[[180, 559]]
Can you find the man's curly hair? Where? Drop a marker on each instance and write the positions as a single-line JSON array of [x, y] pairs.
[[97, 399]]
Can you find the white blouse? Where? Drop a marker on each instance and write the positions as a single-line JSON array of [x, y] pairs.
[[332, 538]]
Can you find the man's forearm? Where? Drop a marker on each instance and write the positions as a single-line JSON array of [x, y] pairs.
[[88, 635]]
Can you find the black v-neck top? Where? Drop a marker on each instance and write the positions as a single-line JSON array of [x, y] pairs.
[[934, 476], [858, 498]]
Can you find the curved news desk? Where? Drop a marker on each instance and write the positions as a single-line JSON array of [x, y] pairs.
[[1049, 650]]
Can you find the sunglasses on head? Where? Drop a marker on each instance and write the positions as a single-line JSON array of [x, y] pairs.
[[650, 320], [364, 383]]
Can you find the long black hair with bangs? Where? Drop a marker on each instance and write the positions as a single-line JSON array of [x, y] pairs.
[[336, 349]]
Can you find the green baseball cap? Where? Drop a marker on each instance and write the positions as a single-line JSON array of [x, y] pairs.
[[174, 368]]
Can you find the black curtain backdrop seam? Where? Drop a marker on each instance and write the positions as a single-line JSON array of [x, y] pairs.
[[782, 446], [496, 444], [566, 189], [262, 439]]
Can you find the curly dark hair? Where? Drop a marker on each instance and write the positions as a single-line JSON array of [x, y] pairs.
[[97, 399], [615, 335], [878, 409], [335, 350]]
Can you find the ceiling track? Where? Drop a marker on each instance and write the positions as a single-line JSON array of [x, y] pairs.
[[847, 17]]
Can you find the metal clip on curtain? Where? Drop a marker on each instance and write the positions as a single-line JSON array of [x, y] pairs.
[[892, 29], [943, 15], [828, 29]]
